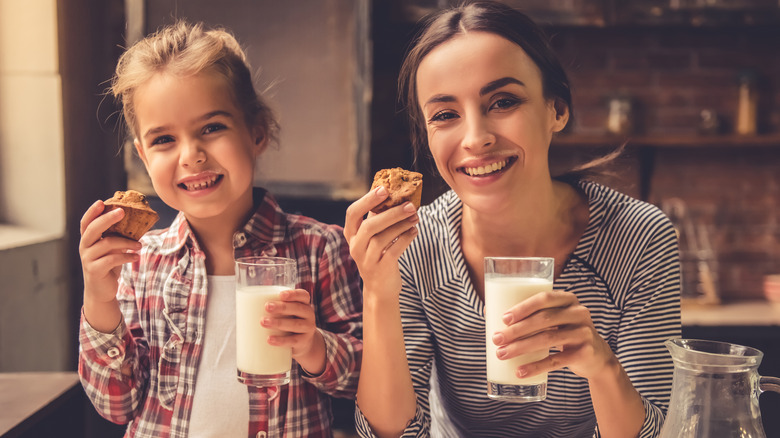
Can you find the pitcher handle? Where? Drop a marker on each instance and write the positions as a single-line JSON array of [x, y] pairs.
[[769, 384]]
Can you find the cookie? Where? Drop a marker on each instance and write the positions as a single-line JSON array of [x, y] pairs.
[[403, 186]]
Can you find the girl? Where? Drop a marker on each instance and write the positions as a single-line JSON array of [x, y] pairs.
[[158, 351], [486, 94]]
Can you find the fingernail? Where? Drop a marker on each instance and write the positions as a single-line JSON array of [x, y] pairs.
[[414, 219], [498, 339], [501, 352], [381, 191], [508, 317], [409, 207], [266, 321], [270, 307], [521, 372]]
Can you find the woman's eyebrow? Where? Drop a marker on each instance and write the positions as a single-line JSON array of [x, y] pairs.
[[498, 83], [437, 98]]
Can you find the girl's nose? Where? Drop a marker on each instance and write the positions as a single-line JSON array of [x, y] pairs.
[[478, 134], [192, 154]]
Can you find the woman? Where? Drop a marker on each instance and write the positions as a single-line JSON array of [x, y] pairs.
[[486, 94]]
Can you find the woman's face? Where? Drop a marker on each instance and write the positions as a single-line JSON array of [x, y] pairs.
[[488, 124], [196, 145]]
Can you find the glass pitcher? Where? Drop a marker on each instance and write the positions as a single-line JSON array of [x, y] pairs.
[[715, 390]]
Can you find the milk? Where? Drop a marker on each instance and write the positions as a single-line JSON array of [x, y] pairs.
[[253, 353], [501, 294]]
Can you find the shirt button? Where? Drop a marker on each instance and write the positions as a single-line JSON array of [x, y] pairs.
[[239, 240], [113, 352], [261, 434]]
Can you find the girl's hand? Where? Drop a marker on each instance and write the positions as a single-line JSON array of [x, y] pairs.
[[376, 241], [103, 257], [293, 314], [556, 321]]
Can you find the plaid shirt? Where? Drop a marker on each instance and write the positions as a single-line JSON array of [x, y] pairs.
[[159, 343]]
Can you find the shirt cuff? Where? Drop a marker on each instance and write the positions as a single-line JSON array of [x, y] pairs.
[[107, 349]]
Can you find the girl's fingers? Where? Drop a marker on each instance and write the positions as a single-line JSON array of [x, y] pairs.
[[299, 295], [92, 230], [94, 210], [289, 324]]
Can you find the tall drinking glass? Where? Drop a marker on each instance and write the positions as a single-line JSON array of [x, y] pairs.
[[258, 281], [508, 281]]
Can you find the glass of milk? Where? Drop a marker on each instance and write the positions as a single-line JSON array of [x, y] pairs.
[[508, 281], [258, 281]]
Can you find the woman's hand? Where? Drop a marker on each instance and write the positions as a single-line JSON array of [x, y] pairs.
[[294, 315], [376, 241], [101, 262], [556, 321]]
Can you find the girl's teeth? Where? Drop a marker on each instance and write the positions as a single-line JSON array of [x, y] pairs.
[[201, 185]]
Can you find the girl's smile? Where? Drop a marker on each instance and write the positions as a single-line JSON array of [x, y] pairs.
[[199, 183]]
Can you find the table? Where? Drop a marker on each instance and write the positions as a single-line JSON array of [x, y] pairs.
[[754, 313], [28, 399]]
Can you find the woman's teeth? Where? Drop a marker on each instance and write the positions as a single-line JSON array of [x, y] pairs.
[[484, 170]]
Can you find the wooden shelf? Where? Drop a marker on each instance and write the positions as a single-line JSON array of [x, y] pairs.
[[671, 141]]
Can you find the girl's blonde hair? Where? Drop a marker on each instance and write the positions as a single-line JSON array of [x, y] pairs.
[[185, 49]]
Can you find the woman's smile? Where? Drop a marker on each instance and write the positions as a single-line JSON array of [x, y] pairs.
[[489, 169]]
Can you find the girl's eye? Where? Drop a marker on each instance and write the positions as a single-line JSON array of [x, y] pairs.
[[443, 116], [162, 140], [213, 127]]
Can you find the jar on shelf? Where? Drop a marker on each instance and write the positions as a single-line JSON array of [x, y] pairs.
[[747, 106]]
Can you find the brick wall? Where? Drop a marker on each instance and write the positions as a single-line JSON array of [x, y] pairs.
[[674, 73]]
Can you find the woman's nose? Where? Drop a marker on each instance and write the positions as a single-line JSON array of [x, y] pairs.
[[477, 133], [192, 153]]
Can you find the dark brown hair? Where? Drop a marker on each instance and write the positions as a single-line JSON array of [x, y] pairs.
[[493, 17]]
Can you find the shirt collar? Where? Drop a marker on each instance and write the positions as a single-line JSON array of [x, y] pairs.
[[267, 225]]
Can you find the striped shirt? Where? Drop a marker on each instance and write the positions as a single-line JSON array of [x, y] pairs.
[[163, 300], [625, 269]]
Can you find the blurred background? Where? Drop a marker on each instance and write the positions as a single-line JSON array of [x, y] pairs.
[[691, 86]]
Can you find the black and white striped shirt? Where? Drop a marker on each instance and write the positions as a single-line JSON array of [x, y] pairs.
[[625, 269]]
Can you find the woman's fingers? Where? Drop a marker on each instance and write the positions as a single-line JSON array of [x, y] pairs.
[[360, 208], [538, 302], [378, 231]]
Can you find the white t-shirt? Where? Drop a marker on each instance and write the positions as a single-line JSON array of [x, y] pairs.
[[220, 406]]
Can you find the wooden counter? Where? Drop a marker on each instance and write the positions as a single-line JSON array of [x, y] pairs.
[[758, 313], [30, 398]]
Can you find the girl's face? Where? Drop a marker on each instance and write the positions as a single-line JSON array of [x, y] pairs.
[[489, 126], [196, 145]]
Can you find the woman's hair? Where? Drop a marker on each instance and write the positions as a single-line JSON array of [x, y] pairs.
[[492, 17], [185, 49]]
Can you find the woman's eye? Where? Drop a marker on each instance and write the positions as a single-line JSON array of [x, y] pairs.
[[213, 127], [162, 140], [443, 116], [505, 103]]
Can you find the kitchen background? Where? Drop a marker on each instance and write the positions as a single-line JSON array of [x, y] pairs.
[[681, 82]]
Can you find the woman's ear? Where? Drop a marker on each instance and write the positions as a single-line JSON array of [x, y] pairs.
[[561, 114]]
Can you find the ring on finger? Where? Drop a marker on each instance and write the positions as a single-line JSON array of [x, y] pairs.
[[392, 242]]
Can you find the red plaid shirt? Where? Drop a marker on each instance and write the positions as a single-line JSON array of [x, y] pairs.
[[163, 300]]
